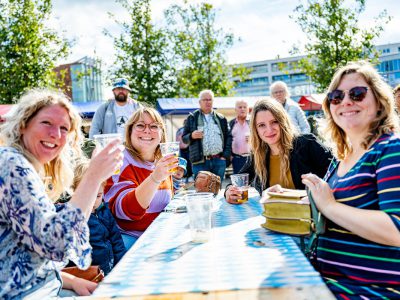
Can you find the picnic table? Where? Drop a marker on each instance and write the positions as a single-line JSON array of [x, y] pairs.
[[241, 261]]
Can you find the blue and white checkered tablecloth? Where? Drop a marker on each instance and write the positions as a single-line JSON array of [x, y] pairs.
[[240, 255]]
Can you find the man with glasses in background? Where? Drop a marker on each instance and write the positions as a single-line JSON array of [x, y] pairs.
[[112, 115], [208, 136], [280, 92]]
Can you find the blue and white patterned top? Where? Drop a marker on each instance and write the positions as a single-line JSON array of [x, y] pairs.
[[35, 240]]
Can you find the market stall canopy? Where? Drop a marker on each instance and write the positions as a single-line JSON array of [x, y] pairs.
[[311, 102], [4, 109], [87, 109], [182, 106]]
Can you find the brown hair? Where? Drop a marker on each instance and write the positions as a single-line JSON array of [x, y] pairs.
[[386, 120], [261, 150], [155, 115]]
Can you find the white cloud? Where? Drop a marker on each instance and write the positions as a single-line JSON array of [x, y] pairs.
[[264, 27]]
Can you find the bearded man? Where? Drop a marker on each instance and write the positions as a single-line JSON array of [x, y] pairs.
[[112, 115]]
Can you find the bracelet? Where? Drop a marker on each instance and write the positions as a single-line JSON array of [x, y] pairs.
[[154, 180]]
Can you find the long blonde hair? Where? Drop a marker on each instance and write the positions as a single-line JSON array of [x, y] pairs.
[[261, 150], [386, 120], [155, 115], [60, 169]]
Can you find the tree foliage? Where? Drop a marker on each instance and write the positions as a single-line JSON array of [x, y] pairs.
[[142, 54], [28, 48], [335, 36], [200, 50]]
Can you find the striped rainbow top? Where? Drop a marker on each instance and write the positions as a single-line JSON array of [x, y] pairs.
[[355, 268]]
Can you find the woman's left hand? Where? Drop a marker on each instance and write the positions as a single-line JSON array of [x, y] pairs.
[[80, 286], [83, 287], [320, 190]]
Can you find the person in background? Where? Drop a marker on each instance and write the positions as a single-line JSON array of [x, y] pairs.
[[143, 188], [208, 136], [184, 151], [39, 142], [280, 92], [359, 253], [179, 173], [240, 132], [112, 115], [279, 155], [396, 93], [105, 237]]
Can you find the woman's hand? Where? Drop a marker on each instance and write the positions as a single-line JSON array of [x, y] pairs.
[[101, 167], [80, 286], [164, 167], [233, 194], [83, 287], [277, 188], [105, 162], [321, 192]]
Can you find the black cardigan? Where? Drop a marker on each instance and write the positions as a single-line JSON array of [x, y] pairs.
[[308, 155]]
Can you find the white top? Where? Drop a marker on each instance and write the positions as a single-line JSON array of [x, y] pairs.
[[122, 114]]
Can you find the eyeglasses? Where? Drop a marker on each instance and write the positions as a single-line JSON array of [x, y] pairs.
[[356, 94], [154, 127]]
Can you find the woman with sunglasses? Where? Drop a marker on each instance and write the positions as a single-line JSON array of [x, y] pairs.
[[279, 155], [359, 254], [143, 187]]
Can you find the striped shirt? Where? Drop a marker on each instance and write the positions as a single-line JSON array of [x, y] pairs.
[[353, 267], [120, 194]]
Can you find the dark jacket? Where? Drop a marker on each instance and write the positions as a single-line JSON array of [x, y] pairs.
[[105, 239], [196, 145], [308, 155]]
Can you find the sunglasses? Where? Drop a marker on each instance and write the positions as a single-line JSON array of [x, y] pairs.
[[356, 94]]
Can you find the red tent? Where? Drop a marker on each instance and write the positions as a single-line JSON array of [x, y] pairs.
[[4, 108], [311, 102]]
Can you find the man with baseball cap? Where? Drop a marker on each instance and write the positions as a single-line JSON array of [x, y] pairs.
[[112, 115]]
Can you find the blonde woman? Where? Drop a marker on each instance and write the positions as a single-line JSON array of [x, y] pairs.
[[279, 156], [359, 254], [39, 140], [143, 188]]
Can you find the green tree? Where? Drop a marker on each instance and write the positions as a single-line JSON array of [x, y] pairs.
[[200, 50], [142, 54], [28, 48], [335, 36]]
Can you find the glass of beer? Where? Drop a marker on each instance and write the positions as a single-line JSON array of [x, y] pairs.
[[242, 182], [170, 148], [102, 140]]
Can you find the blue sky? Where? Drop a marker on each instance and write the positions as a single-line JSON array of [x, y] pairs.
[[264, 26]]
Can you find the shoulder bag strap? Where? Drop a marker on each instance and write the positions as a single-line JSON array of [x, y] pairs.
[[317, 226]]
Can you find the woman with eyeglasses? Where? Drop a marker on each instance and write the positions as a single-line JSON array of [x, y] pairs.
[[143, 187], [279, 155], [359, 254]]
